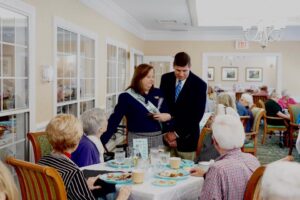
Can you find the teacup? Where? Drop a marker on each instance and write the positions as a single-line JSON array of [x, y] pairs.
[[205, 165], [138, 176], [175, 162]]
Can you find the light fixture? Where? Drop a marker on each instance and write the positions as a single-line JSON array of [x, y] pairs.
[[264, 34]]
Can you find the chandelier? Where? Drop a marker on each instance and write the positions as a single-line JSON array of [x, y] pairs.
[[264, 34]]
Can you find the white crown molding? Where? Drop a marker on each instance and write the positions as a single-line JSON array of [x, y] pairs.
[[120, 17], [116, 14]]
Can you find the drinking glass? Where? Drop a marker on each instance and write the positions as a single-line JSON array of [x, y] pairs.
[[119, 157], [164, 157]]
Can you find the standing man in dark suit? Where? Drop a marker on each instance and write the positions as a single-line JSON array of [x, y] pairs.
[[185, 94]]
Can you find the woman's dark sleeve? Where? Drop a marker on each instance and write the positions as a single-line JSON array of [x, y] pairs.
[[115, 118]]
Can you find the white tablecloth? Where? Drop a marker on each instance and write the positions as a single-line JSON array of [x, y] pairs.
[[188, 189]]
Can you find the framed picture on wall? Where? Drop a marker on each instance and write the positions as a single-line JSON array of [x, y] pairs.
[[254, 74], [229, 73], [210, 73]]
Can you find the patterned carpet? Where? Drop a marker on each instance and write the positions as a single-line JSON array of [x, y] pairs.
[[271, 151]]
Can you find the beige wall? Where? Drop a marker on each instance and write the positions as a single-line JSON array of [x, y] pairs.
[[266, 63], [76, 13], [289, 50]]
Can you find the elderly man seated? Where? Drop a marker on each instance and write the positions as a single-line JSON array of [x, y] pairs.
[[281, 180], [228, 176]]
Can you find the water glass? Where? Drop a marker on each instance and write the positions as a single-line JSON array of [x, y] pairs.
[[119, 157], [154, 156], [164, 157]]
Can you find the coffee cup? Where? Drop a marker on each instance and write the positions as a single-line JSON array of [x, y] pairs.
[[205, 164], [175, 162], [138, 176]]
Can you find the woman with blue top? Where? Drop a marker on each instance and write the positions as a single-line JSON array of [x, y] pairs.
[[144, 109], [90, 149]]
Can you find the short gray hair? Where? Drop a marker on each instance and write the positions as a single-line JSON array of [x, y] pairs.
[[92, 120], [281, 180], [248, 97], [228, 131]]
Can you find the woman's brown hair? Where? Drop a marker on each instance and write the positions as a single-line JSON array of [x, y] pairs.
[[140, 72]]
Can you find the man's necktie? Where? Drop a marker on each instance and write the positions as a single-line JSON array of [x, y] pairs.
[[178, 89]]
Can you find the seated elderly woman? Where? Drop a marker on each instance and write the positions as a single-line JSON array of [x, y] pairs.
[[64, 133], [244, 109], [90, 149], [281, 180], [228, 176], [286, 100], [273, 109]]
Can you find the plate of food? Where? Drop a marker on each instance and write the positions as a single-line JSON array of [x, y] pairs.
[[178, 174], [126, 164], [117, 178], [163, 183]]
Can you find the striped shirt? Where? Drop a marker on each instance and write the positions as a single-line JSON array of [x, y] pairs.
[[73, 178], [227, 178]]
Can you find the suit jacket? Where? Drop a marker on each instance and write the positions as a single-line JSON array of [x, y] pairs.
[[187, 111]]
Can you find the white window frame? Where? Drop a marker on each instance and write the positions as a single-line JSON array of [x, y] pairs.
[[29, 11], [118, 45], [133, 52], [61, 23]]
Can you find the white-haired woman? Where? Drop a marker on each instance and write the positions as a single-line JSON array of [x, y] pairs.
[[90, 149], [281, 180], [228, 176], [244, 109]]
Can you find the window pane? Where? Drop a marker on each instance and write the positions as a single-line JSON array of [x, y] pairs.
[[8, 26], [73, 89], [9, 133], [8, 94], [68, 109], [21, 30], [8, 60], [67, 42], [122, 84], [60, 40], [60, 66], [21, 62], [87, 47], [71, 66], [110, 104], [21, 93], [111, 85], [87, 68], [74, 43], [87, 88], [86, 105]]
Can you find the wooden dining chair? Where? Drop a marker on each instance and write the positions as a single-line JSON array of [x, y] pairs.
[[251, 145], [268, 128], [40, 144], [294, 111], [38, 182], [252, 191], [204, 132]]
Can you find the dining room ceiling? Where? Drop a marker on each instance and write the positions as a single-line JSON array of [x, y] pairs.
[[154, 19]]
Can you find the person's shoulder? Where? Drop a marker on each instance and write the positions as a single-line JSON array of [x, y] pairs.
[[167, 75], [197, 79]]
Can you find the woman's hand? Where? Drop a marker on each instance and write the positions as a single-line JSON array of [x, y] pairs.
[[91, 181], [162, 117], [197, 172]]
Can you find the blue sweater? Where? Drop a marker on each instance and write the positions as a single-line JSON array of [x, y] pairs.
[[136, 114], [86, 153]]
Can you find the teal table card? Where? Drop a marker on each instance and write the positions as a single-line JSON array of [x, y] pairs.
[[141, 145]]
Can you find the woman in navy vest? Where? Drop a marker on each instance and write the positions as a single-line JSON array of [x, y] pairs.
[[144, 108]]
